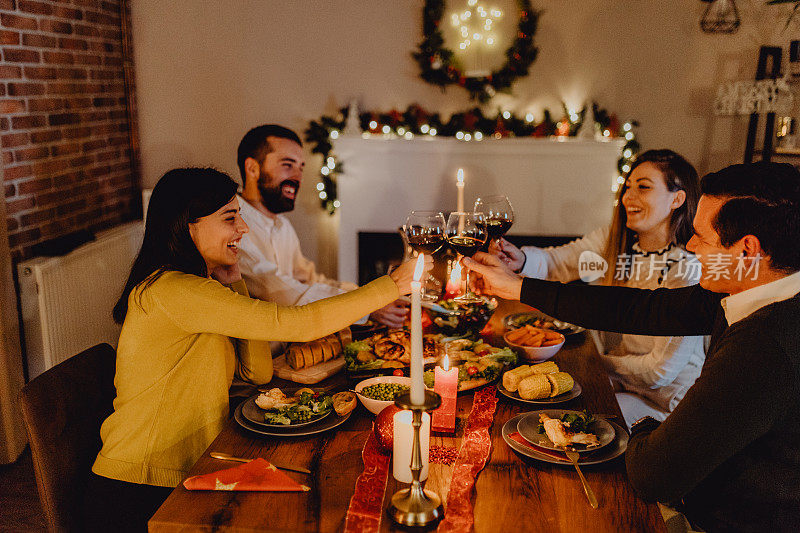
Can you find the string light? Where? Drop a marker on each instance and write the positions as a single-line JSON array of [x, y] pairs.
[[629, 136], [626, 167], [627, 153], [467, 137], [373, 124], [424, 128], [506, 115], [337, 204], [401, 130], [620, 179], [433, 132], [334, 134], [409, 135], [386, 129], [626, 127], [529, 117], [459, 135], [466, 29], [320, 186], [478, 136], [331, 163], [323, 195], [325, 171]]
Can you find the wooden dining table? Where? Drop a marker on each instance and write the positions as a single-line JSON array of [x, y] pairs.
[[512, 492]]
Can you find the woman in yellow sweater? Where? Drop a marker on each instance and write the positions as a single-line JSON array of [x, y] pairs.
[[176, 355]]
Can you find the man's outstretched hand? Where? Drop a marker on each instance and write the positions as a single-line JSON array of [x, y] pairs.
[[491, 276]]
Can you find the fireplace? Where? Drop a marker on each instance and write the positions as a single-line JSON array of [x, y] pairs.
[[558, 189]]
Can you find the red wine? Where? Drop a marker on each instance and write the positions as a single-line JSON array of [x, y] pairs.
[[465, 245], [497, 227], [426, 244]]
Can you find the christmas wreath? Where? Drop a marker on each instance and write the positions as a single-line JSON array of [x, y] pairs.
[[439, 66]]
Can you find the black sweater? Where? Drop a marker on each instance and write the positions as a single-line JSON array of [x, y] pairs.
[[730, 451]]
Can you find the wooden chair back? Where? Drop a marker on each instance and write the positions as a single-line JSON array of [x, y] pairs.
[[63, 409]]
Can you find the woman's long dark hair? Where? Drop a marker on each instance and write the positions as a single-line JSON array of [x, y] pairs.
[[180, 197], [679, 175]]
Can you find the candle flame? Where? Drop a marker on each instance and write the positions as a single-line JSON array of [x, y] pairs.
[[446, 362], [460, 176], [420, 267]]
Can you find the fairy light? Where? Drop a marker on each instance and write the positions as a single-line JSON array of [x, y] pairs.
[[506, 115], [629, 136], [615, 188], [401, 130], [337, 204], [627, 153], [626, 167], [373, 124], [325, 171], [433, 132], [386, 129], [478, 136], [424, 128], [474, 32], [529, 117], [331, 163], [408, 135], [323, 195], [606, 133], [459, 135], [334, 134], [320, 186], [626, 127], [467, 137], [620, 179]]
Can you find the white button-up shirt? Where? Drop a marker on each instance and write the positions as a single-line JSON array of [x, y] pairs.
[[743, 304], [273, 266]]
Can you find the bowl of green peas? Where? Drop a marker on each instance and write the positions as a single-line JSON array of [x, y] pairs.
[[378, 392]]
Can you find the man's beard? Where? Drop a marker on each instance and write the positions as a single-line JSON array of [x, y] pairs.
[[272, 197]]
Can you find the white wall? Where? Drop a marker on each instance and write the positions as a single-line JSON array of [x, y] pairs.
[[206, 71]]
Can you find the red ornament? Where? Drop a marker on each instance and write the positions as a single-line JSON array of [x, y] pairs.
[[397, 372], [384, 428]]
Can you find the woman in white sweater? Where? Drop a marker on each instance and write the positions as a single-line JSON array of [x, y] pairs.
[[644, 247]]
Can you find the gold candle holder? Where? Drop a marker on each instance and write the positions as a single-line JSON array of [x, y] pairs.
[[415, 506]]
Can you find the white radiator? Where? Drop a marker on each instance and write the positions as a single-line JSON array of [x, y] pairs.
[[67, 300]]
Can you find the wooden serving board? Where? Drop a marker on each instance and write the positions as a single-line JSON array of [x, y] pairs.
[[306, 376]]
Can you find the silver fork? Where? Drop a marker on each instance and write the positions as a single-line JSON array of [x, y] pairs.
[[573, 456]]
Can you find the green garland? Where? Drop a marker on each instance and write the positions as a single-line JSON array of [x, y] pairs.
[[471, 125], [439, 66]]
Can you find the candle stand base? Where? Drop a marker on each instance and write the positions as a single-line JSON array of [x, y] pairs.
[[415, 506], [413, 510]]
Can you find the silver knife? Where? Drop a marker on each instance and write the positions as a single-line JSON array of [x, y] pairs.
[[228, 457]]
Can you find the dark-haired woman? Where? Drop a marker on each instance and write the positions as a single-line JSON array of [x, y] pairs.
[[644, 247], [176, 356]]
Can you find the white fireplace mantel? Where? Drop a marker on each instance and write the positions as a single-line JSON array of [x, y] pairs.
[[556, 187]]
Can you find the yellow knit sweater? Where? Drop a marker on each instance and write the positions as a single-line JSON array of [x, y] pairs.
[[175, 363]]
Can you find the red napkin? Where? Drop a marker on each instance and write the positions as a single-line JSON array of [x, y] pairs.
[[520, 439], [258, 474]]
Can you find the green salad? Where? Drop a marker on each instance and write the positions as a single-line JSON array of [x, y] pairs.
[[308, 406]]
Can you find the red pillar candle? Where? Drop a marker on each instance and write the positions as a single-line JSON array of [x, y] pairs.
[[445, 383]]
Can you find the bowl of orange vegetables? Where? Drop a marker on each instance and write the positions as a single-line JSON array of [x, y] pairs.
[[534, 344]]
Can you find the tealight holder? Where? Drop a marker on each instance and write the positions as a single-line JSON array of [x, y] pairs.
[[415, 506]]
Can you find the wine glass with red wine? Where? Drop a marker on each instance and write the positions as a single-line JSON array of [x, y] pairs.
[[466, 234], [498, 213], [425, 233]]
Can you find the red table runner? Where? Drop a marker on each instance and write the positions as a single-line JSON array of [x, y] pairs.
[[475, 448], [366, 504]]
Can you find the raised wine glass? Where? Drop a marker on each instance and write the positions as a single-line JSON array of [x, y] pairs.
[[425, 233], [498, 213], [466, 233]]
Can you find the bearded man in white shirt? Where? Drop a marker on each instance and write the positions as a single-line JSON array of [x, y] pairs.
[[271, 162]]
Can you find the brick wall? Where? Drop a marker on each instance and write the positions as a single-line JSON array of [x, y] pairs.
[[64, 129]]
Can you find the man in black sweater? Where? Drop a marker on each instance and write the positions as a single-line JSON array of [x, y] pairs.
[[729, 454]]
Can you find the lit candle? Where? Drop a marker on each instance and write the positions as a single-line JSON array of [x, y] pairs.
[[460, 188], [404, 443], [445, 383], [417, 383]]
